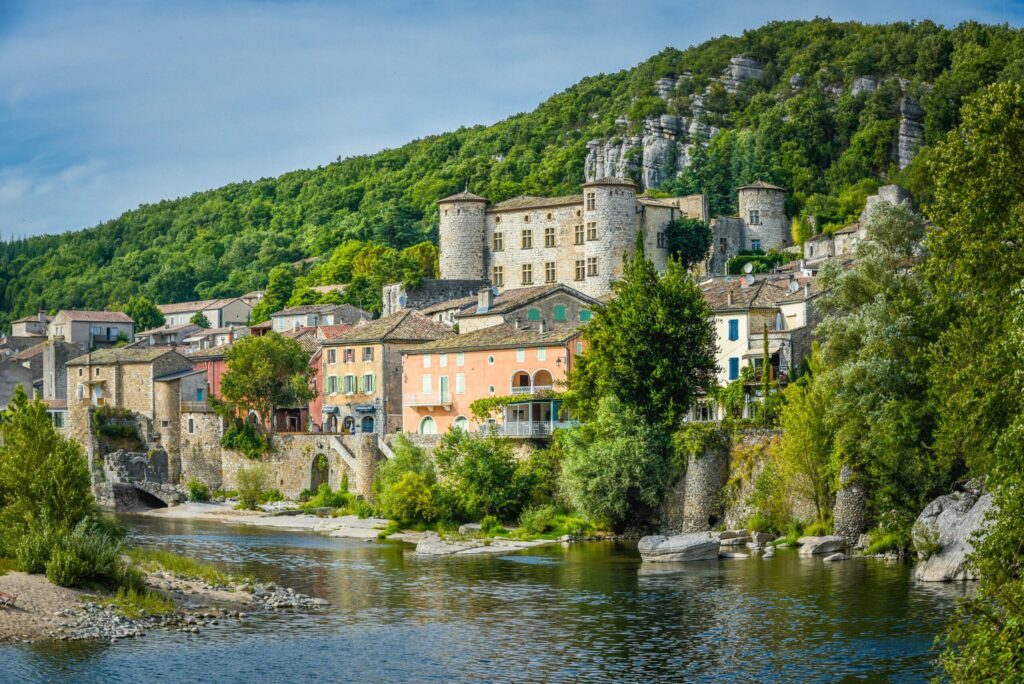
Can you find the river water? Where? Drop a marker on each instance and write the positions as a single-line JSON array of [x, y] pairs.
[[582, 612]]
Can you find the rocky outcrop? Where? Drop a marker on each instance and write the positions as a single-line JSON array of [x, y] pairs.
[[850, 515], [706, 475], [832, 558], [432, 544], [864, 84], [741, 69], [942, 535], [911, 133], [813, 546], [693, 546]]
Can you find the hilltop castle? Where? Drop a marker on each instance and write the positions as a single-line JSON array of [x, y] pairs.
[[581, 240]]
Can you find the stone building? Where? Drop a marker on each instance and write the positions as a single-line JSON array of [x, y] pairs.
[[362, 372], [219, 312], [92, 329]]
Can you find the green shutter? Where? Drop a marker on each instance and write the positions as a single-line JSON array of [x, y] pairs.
[[584, 315], [533, 315], [559, 312]]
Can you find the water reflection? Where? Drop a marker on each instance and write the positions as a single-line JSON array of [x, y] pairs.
[[586, 612]]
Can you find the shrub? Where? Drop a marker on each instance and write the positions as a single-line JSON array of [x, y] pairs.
[[89, 555], [135, 603], [245, 437], [491, 525], [409, 500], [887, 539], [759, 523], [251, 481], [817, 529], [481, 476], [325, 498], [198, 491], [36, 546], [362, 508], [538, 520]]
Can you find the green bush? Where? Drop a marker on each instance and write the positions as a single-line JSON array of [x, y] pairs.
[[252, 484], [480, 476], [362, 508], [325, 498], [759, 523], [198, 491], [89, 555], [36, 546], [409, 500], [490, 525], [538, 520], [245, 437], [817, 530]]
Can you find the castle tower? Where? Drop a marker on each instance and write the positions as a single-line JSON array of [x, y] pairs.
[[461, 235], [763, 208], [610, 225]]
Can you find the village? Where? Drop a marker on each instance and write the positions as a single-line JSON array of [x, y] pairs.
[[501, 327]]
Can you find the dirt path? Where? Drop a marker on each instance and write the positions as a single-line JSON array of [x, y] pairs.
[[33, 616]]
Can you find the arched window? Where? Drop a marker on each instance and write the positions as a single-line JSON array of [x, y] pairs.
[[367, 424], [428, 426], [461, 423]]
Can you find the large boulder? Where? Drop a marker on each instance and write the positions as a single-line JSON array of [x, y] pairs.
[[811, 546], [692, 546], [948, 523]]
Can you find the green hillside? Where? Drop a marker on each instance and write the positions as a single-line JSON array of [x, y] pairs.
[[826, 145]]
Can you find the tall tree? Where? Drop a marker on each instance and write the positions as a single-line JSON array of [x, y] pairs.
[[144, 312], [688, 240], [265, 373]]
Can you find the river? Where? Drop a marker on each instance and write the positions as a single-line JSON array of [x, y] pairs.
[[581, 612]]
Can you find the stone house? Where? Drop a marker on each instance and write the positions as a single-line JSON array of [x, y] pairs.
[[208, 338], [313, 315], [92, 329], [546, 307], [34, 325], [442, 378], [362, 372], [168, 335], [219, 312]]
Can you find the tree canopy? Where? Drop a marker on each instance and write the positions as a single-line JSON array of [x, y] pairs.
[[265, 373]]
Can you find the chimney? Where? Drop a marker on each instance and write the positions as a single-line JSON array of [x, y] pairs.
[[485, 298], [730, 298], [540, 326], [807, 290]]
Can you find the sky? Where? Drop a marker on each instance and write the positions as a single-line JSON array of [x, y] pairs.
[[108, 105]]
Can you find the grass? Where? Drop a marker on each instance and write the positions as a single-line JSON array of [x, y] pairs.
[[180, 566], [7, 565], [135, 604], [884, 541]]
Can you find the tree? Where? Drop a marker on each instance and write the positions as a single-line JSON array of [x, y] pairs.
[[688, 240], [280, 283], [480, 476], [144, 312], [615, 467], [652, 347], [805, 449], [264, 373], [200, 319]]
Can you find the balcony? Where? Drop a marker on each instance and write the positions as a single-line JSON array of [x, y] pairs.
[[531, 429], [532, 389], [428, 399], [195, 407]]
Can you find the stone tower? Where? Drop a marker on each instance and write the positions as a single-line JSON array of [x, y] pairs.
[[461, 236], [609, 208], [763, 208]]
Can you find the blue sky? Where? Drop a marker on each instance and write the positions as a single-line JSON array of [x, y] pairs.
[[107, 105]]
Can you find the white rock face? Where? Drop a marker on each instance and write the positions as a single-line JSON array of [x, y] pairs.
[[741, 69], [692, 546], [950, 520], [911, 133], [864, 84], [811, 546]]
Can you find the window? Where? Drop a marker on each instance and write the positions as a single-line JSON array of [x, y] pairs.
[[734, 329], [490, 360], [578, 234], [332, 355], [332, 384], [591, 231], [58, 419], [591, 266], [549, 272], [350, 384], [498, 276], [580, 272], [200, 394], [428, 384], [498, 242], [350, 355], [533, 314], [497, 219], [527, 241], [96, 372], [549, 236], [559, 312], [755, 244], [579, 347], [191, 426], [490, 389], [520, 355], [591, 201], [755, 217], [369, 386], [526, 218], [542, 354], [428, 426], [723, 244], [367, 353], [460, 383], [734, 368], [80, 372], [461, 423], [460, 359], [661, 240], [584, 315], [165, 423], [442, 360], [426, 360], [527, 274]]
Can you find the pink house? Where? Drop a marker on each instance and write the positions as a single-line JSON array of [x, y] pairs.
[[440, 379]]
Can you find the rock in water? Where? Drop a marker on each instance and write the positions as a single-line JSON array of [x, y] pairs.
[[769, 552], [692, 546], [811, 546], [949, 521], [835, 557]]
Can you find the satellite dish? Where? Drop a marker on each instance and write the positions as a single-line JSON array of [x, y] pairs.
[[495, 291], [403, 300], [793, 286], [748, 267], [748, 280]]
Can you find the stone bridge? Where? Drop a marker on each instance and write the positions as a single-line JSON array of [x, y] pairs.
[[134, 480]]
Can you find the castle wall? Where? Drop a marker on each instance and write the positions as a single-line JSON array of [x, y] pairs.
[[773, 230], [510, 224], [729, 236], [615, 214], [461, 240], [430, 291]]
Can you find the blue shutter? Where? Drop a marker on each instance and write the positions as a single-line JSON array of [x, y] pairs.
[[734, 368], [734, 330]]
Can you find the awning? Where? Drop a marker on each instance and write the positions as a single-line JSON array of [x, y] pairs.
[[331, 409]]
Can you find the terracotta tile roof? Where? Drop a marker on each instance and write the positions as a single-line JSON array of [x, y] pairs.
[[764, 293], [658, 202], [265, 325], [510, 300], [464, 196], [212, 353], [30, 353], [326, 332], [760, 185], [345, 311], [404, 326], [532, 202], [306, 337], [169, 329], [33, 318], [121, 355], [203, 305], [496, 337], [96, 316], [460, 303]]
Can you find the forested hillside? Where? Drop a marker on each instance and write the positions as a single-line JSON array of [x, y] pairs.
[[827, 145]]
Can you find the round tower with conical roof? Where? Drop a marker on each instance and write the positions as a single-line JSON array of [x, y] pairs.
[[461, 236], [763, 209], [609, 216]]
